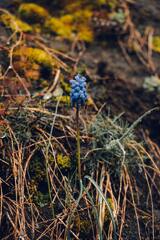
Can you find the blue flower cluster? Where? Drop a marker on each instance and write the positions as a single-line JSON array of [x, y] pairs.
[[78, 91]]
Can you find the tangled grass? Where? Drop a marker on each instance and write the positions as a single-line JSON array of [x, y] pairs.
[[33, 209]]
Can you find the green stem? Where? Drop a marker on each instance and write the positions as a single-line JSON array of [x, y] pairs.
[[49, 188], [78, 145]]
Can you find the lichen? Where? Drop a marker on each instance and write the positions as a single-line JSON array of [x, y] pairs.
[[63, 161], [152, 83], [33, 13], [14, 23]]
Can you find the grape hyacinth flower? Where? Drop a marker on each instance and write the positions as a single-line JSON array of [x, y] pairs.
[[78, 98], [78, 94]]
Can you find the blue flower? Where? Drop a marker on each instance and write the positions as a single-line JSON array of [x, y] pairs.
[[78, 93]]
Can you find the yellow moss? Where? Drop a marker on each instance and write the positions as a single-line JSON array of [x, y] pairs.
[[66, 86], [32, 12], [111, 3], [58, 26], [74, 6], [67, 19], [82, 15], [85, 33], [63, 99], [35, 55], [30, 61], [14, 23], [63, 161], [39, 56], [72, 26], [156, 44]]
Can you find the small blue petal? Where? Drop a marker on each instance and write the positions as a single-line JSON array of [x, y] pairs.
[[78, 93]]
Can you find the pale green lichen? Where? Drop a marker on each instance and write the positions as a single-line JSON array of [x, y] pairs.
[[152, 83]]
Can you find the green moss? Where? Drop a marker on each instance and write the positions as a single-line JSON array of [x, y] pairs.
[[41, 199], [63, 161], [14, 23], [33, 13]]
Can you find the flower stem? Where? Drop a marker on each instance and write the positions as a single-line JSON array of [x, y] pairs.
[[49, 188], [78, 145]]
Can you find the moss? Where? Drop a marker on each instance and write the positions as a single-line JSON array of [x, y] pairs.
[[82, 223], [14, 23], [107, 214], [63, 99], [85, 34], [58, 27], [35, 55], [33, 13], [111, 3], [63, 161], [72, 26], [74, 6], [34, 63], [82, 15], [156, 44], [66, 86], [39, 56], [67, 19]]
